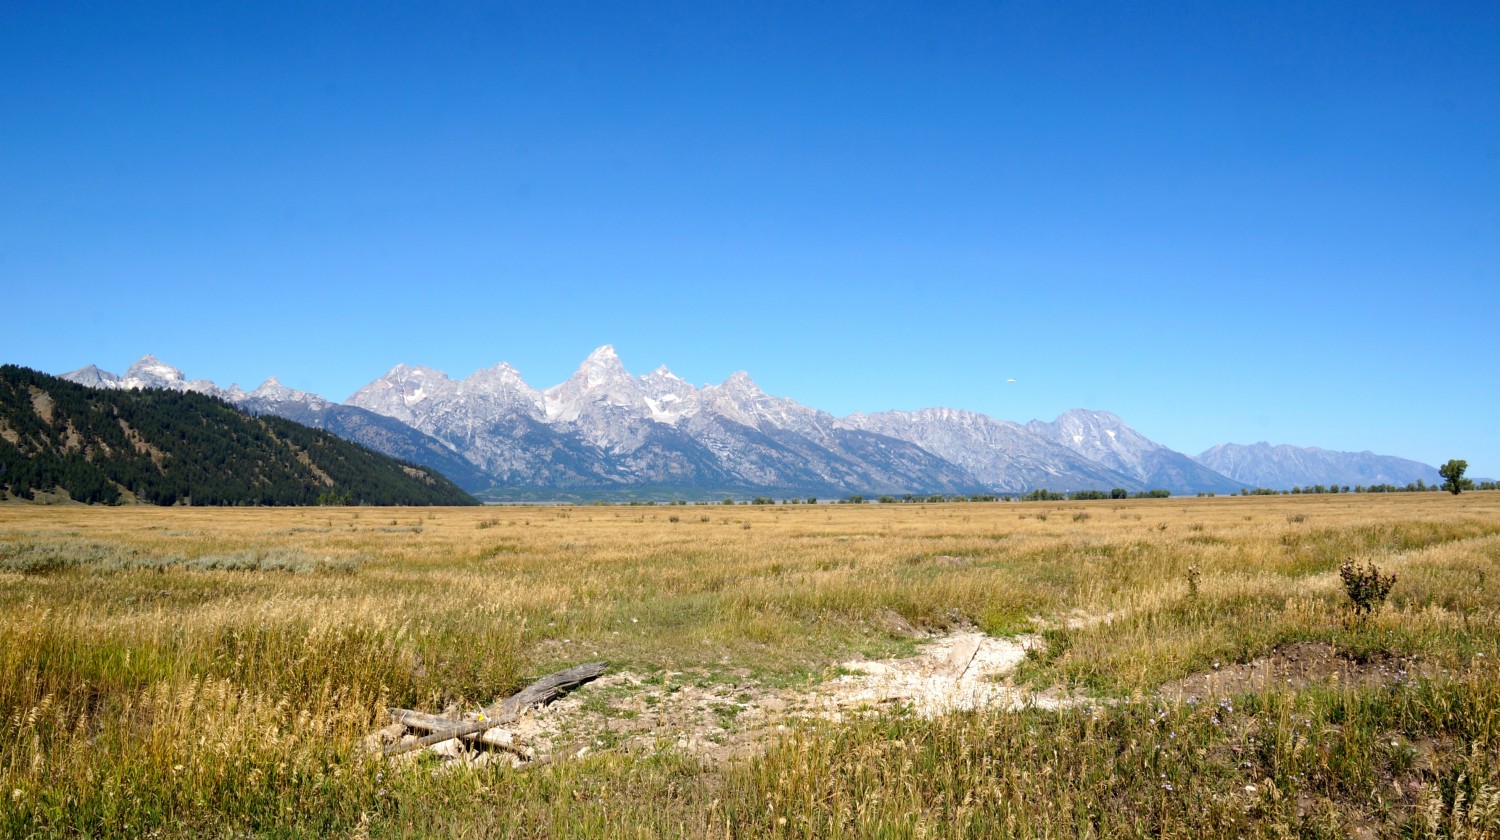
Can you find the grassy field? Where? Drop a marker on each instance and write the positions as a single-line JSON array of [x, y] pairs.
[[191, 672]]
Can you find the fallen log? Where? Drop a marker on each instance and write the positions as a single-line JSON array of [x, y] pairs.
[[498, 738], [539, 693]]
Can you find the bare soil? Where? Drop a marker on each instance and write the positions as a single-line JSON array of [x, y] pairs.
[[716, 722], [1294, 666]]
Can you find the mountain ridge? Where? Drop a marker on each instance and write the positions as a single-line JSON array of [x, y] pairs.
[[1283, 466], [603, 431]]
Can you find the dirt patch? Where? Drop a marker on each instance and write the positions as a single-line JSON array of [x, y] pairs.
[[1295, 666], [41, 403], [958, 671], [715, 722]]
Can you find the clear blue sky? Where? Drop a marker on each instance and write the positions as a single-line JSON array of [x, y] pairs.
[[1221, 221]]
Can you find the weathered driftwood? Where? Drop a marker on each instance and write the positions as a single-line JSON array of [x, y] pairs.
[[539, 693], [423, 722]]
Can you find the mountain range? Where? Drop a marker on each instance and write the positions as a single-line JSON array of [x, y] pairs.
[[1284, 467], [605, 433]]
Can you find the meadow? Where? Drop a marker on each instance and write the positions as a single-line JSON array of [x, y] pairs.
[[214, 672]]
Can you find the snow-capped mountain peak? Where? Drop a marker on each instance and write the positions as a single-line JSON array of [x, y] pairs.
[[668, 396], [151, 372], [602, 367], [600, 381], [402, 389], [500, 385]]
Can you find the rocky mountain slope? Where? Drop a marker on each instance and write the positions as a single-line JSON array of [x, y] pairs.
[[1106, 439], [1006, 457]]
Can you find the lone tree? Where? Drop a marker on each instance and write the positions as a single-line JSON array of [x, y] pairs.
[[1453, 472]]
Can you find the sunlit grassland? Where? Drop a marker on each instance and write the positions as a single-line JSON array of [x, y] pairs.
[[203, 672]]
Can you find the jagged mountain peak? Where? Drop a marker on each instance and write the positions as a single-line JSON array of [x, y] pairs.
[[953, 415], [1088, 417], [405, 371], [93, 377], [273, 391], [601, 367], [664, 374], [400, 390], [603, 358], [601, 381], [740, 381], [502, 374], [148, 368]]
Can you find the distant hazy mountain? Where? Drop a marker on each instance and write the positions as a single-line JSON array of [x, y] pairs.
[[1106, 439], [179, 447], [1005, 456], [1283, 467], [606, 433]]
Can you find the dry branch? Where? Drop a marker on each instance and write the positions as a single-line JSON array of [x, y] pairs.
[[539, 693], [421, 721]]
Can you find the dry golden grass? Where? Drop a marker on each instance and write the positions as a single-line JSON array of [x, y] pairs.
[[205, 671]]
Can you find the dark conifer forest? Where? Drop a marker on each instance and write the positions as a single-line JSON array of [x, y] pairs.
[[165, 448]]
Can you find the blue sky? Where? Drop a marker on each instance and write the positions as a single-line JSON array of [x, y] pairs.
[[1223, 222]]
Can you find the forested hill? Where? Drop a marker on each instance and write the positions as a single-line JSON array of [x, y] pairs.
[[165, 447]]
